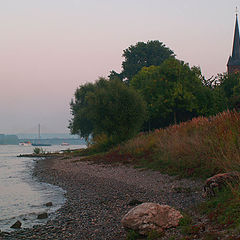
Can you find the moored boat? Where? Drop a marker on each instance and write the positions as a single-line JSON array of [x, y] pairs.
[[38, 143], [25, 144], [64, 144], [41, 144]]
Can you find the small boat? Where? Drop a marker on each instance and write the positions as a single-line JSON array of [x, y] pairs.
[[64, 144], [41, 144], [25, 144]]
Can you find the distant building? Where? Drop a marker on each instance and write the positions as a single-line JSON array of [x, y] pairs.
[[233, 65], [2, 139], [8, 139]]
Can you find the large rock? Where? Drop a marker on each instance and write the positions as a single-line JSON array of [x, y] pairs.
[[49, 204], [16, 225], [217, 182], [42, 216], [148, 217]]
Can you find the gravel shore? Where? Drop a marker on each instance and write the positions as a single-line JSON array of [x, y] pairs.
[[99, 195]]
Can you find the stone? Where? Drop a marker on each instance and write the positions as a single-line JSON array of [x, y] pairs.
[[16, 225], [49, 204], [134, 202], [42, 216], [219, 181], [148, 217]]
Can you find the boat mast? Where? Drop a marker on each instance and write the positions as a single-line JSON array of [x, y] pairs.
[[39, 131]]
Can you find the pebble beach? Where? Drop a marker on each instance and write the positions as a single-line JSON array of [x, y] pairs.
[[99, 195]]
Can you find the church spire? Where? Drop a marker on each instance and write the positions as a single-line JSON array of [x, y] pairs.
[[234, 60], [236, 42]]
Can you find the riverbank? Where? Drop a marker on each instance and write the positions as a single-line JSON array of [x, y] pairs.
[[99, 195]]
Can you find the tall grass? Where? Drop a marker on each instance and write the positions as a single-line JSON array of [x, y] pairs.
[[200, 147]]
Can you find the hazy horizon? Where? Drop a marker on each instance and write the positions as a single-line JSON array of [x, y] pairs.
[[50, 47]]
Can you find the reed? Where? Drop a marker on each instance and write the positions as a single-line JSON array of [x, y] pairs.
[[200, 147]]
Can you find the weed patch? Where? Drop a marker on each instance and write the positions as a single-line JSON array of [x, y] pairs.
[[201, 147], [224, 209]]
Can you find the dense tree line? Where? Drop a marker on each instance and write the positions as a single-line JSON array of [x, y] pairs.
[[142, 55], [173, 92], [107, 108], [153, 90]]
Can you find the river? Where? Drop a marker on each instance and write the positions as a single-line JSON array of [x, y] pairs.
[[22, 197]]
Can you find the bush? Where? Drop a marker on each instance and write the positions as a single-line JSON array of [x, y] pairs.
[[107, 108], [38, 150], [132, 235], [201, 147], [224, 208]]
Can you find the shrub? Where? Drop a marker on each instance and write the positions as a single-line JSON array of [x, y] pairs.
[[107, 107], [200, 147], [132, 235], [38, 150]]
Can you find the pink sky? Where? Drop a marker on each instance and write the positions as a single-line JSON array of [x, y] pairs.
[[49, 47]]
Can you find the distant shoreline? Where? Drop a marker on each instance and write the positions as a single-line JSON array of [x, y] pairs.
[[54, 139]]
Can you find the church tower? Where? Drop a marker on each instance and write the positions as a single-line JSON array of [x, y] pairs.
[[233, 64]]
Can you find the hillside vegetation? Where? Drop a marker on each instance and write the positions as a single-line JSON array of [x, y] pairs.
[[201, 147], [198, 148], [162, 114]]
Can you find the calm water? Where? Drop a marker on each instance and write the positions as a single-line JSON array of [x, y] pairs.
[[22, 197]]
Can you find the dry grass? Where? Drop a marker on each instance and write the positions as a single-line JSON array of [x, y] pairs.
[[200, 147]]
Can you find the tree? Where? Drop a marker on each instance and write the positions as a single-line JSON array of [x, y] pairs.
[[142, 55], [227, 82], [107, 107], [80, 124], [229, 86], [173, 92], [114, 75]]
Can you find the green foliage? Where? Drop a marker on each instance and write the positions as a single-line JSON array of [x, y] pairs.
[[174, 93], [115, 75], [185, 225], [68, 150], [224, 208], [101, 143], [186, 220], [213, 236], [201, 147], [229, 88], [38, 150], [132, 235], [228, 83], [143, 55], [80, 123], [154, 235], [107, 107], [117, 111]]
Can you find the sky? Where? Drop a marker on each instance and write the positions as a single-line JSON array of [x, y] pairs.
[[48, 48]]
